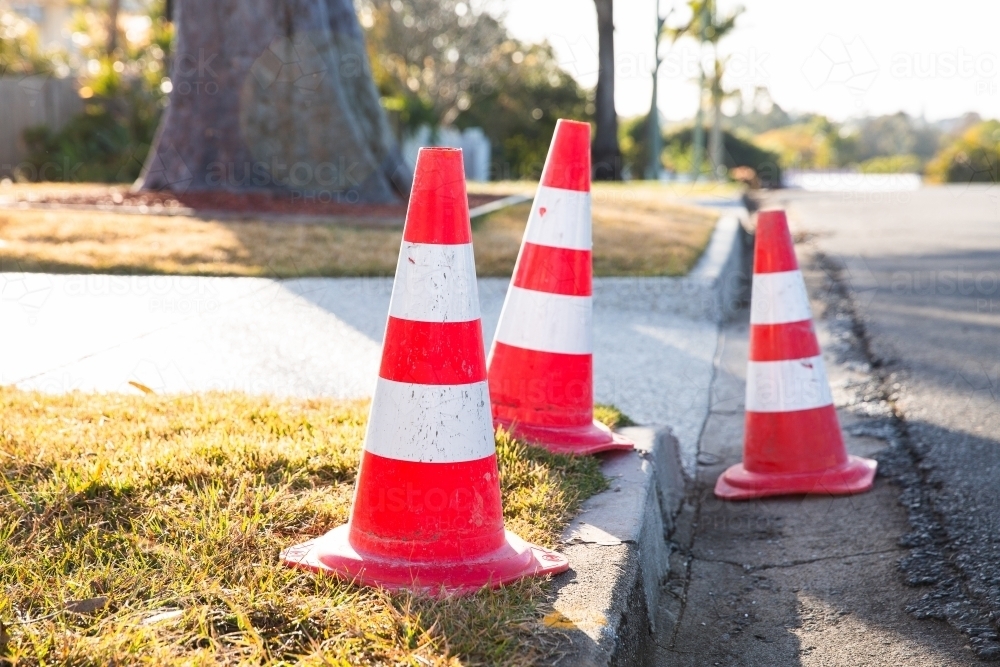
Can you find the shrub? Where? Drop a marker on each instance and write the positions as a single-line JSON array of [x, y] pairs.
[[971, 158], [737, 152], [892, 164], [109, 140]]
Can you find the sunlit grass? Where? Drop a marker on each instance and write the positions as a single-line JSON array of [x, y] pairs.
[[639, 230], [611, 416], [146, 530]]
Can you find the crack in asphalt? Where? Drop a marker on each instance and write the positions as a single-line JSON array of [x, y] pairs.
[[794, 563], [685, 550]]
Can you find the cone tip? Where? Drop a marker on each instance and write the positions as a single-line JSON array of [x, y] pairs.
[[439, 150], [774, 250], [568, 163], [439, 206], [772, 216]]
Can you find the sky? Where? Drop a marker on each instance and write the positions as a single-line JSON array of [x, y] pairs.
[[844, 59]]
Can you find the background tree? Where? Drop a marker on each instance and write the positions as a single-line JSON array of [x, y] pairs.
[[706, 26], [606, 153], [694, 27], [737, 152], [440, 63], [971, 157], [114, 6], [716, 28], [122, 93], [653, 133], [718, 95], [21, 51], [274, 94]]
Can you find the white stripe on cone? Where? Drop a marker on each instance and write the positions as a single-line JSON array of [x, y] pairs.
[[558, 219], [546, 322], [778, 298], [784, 386], [430, 423], [435, 283]]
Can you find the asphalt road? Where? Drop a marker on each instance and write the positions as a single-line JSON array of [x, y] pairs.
[[923, 271], [797, 581]]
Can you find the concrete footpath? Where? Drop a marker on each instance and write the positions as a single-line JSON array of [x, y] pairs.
[[799, 580]]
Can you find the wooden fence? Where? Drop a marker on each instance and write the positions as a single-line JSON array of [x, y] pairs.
[[29, 101]]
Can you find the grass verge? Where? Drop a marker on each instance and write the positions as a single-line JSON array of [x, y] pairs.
[[611, 416], [639, 230], [146, 530]]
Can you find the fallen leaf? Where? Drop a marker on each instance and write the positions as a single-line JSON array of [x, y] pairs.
[[141, 387], [557, 620]]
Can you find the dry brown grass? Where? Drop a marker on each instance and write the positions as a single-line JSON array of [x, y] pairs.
[[91, 241], [638, 230]]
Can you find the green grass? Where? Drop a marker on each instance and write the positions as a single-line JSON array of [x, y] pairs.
[[146, 530], [611, 416]]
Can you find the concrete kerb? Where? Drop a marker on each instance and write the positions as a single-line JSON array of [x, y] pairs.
[[619, 555], [494, 206], [711, 291], [617, 546]]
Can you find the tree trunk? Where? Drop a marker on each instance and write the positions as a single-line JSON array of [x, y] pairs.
[[653, 138], [113, 7], [605, 153], [274, 94], [715, 141]]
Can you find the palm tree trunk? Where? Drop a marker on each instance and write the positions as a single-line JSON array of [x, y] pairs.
[[113, 7], [715, 149], [606, 154], [698, 149], [653, 134]]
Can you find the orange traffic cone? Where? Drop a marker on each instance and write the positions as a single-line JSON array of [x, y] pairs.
[[541, 364], [426, 512], [792, 442]]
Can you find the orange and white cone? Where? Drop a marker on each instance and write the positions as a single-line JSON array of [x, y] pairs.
[[792, 443], [541, 367], [426, 513]]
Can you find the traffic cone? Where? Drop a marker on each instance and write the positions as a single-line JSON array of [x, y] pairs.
[[426, 513], [792, 442], [541, 369]]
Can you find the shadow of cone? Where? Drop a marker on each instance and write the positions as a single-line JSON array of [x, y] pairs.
[[427, 511], [793, 443], [541, 368]]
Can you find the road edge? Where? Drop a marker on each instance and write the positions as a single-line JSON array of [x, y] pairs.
[[619, 555], [618, 544]]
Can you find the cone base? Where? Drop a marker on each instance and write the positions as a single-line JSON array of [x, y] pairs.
[[333, 554], [587, 439], [855, 476]]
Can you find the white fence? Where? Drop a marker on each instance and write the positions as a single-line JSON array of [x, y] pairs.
[[850, 181], [472, 140], [29, 101]]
